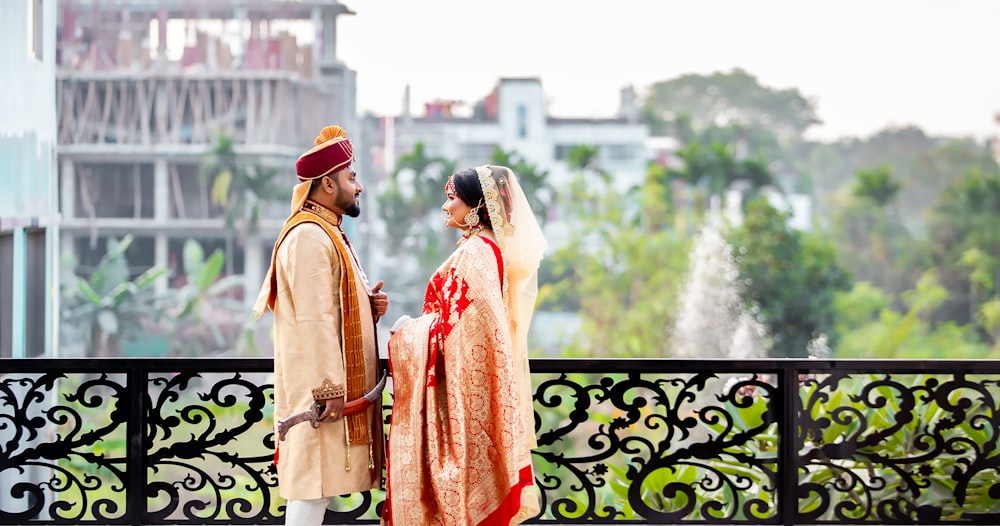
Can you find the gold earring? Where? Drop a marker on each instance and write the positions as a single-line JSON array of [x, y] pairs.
[[472, 218]]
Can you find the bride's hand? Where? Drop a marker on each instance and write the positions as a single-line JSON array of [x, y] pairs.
[[402, 320]]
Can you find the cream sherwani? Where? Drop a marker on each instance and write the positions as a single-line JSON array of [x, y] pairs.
[[313, 463]]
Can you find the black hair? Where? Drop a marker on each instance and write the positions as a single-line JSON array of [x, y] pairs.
[[470, 191], [316, 183]]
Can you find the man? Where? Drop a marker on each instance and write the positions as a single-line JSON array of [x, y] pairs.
[[325, 352]]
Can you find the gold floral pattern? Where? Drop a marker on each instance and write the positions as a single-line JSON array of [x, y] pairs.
[[459, 448]]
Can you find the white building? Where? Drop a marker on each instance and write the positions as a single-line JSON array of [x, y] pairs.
[[514, 117], [28, 210]]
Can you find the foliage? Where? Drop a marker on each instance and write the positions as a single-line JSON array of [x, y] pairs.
[[873, 244], [110, 306], [408, 206], [924, 166], [870, 327], [876, 185], [205, 305], [912, 446], [533, 180], [240, 188], [616, 264], [413, 190], [964, 243], [714, 169], [790, 276], [699, 101], [934, 171], [893, 201]]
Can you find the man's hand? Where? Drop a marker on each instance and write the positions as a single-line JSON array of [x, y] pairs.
[[380, 300], [332, 409]]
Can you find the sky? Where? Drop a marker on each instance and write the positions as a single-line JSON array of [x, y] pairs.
[[867, 64]]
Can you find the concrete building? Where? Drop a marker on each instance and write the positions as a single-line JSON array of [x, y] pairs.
[[515, 117], [144, 92], [28, 213]]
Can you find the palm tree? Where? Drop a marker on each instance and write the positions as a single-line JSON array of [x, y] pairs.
[[240, 189], [714, 169], [876, 184]]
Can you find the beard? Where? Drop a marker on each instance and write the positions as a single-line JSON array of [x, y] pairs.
[[347, 201], [353, 210]]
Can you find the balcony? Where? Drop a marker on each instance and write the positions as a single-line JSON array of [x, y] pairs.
[[160, 441]]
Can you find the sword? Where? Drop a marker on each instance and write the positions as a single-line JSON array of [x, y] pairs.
[[351, 407]]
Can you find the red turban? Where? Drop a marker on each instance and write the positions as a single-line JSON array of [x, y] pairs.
[[332, 153]]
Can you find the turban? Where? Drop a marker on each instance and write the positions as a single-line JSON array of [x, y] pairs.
[[332, 153]]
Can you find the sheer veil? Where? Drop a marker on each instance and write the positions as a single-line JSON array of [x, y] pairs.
[[522, 246]]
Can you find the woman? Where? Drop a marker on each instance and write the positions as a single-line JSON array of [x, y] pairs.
[[462, 422]]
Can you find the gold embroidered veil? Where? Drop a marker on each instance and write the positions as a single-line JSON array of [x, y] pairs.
[[522, 246]]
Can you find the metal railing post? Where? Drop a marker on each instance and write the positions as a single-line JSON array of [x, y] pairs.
[[136, 449], [787, 456]]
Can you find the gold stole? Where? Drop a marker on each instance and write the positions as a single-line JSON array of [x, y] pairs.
[[352, 344]]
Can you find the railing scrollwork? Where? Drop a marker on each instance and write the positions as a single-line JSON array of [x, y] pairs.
[[144, 441]]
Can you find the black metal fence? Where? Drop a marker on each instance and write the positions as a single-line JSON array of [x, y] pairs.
[[171, 441]]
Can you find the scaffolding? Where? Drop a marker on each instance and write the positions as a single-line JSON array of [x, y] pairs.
[[145, 90]]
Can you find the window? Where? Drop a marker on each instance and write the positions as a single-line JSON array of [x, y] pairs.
[[617, 152], [36, 28], [35, 297], [522, 121], [562, 151]]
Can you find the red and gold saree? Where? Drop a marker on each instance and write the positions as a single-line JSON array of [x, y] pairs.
[[459, 442]]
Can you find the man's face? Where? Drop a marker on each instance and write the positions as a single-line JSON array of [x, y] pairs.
[[346, 193]]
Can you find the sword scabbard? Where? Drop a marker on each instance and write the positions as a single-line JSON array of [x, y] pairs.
[[352, 407]]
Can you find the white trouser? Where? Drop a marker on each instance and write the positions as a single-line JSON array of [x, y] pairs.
[[306, 512]]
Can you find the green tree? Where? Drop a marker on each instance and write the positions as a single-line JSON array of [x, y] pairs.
[[616, 265], [534, 181], [409, 205], [963, 237], [871, 327], [413, 190], [933, 171], [923, 165], [877, 185], [110, 306], [790, 276], [241, 189], [711, 170], [698, 102], [873, 244]]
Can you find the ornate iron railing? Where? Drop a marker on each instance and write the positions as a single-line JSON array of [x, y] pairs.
[[154, 441]]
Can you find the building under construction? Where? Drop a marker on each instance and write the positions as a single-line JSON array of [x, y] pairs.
[[145, 91]]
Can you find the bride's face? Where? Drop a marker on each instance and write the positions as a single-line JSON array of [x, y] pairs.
[[455, 210]]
